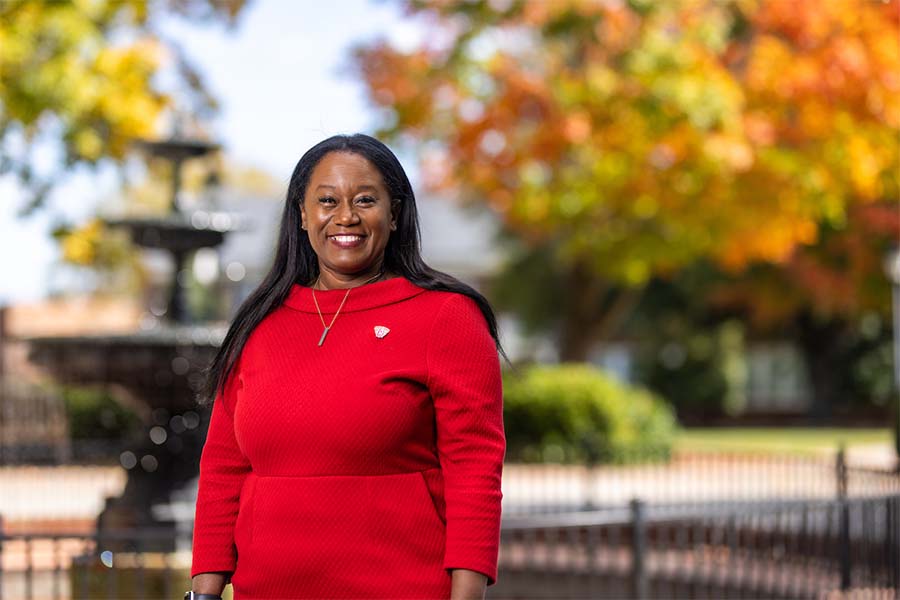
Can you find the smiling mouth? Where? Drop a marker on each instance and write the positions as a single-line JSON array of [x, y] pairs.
[[347, 241]]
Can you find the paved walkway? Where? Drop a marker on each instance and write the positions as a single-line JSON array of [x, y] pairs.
[[881, 456], [51, 496], [700, 477]]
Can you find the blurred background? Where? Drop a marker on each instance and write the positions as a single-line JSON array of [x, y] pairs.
[[686, 213]]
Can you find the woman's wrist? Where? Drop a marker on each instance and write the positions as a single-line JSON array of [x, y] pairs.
[[467, 585], [192, 595], [212, 584]]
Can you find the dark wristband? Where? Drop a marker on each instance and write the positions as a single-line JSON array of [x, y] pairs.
[[191, 595]]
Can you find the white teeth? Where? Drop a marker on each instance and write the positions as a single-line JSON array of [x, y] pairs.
[[346, 238]]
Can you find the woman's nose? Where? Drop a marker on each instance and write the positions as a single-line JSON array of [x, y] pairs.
[[345, 213]]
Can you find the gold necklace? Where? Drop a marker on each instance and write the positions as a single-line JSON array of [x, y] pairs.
[[321, 318]]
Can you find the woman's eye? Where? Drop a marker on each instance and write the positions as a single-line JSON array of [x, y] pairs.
[[326, 199], [366, 199]]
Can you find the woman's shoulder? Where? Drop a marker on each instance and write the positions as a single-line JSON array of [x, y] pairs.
[[440, 301], [451, 310], [457, 330]]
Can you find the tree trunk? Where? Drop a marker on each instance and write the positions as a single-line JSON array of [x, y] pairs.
[[593, 311], [823, 343]]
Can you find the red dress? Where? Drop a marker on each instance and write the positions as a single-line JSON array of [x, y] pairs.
[[367, 467]]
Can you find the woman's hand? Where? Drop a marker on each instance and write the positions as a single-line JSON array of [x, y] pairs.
[[208, 583], [467, 585]]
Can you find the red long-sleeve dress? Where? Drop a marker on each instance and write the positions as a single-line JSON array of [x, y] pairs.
[[368, 467]]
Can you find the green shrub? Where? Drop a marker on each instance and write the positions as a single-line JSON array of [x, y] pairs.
[[94, 414], [574, 413]]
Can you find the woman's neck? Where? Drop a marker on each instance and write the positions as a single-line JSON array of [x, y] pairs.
[[331, 280]]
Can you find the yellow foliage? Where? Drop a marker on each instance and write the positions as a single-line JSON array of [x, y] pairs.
[[80, 245], [84, 73]]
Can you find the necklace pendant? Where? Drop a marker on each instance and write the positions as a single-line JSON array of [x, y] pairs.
[[324, 333]]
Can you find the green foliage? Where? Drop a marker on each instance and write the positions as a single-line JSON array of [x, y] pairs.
[[86, 76], [538, 307], [690, 354], [872, 358], [696, 355], [574, 413], [690, 373], [95, 414]]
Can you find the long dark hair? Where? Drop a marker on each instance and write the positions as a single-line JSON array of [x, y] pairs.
[[296, 261]]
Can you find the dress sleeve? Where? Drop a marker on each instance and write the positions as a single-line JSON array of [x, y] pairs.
[[223, 469], [465, 385]]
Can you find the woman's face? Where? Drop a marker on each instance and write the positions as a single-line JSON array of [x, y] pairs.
[[347, 212]]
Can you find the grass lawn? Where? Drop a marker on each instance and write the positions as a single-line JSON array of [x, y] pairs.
[[778, 440]]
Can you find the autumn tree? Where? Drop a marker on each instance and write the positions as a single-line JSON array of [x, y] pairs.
[[625, 141], [821, 81], [79, 79]]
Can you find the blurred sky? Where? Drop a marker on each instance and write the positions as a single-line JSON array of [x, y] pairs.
[[282, 80]]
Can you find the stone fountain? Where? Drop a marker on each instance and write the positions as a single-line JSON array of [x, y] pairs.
[[158, 369]]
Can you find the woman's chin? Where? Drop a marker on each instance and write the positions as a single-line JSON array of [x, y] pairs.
[[351, 267]]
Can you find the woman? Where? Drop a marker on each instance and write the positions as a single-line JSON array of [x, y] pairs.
[[356, 442]]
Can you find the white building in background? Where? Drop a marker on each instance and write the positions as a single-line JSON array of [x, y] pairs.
[[777, 381]]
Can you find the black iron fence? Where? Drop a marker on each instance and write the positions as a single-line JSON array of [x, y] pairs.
[[710, 526], [33, 421], [803, 549], [39, 565], [764, 550]]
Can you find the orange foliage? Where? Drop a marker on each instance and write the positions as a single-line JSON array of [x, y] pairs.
[[737, 130]]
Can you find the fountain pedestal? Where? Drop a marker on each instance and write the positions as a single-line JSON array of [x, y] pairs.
[[157, 370]]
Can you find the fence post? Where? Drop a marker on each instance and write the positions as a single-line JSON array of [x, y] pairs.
[[895, 501], [2, 540], [588, 484], [638, 549], [592, 456], [29, 567], [891, 541], [844, 554]]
